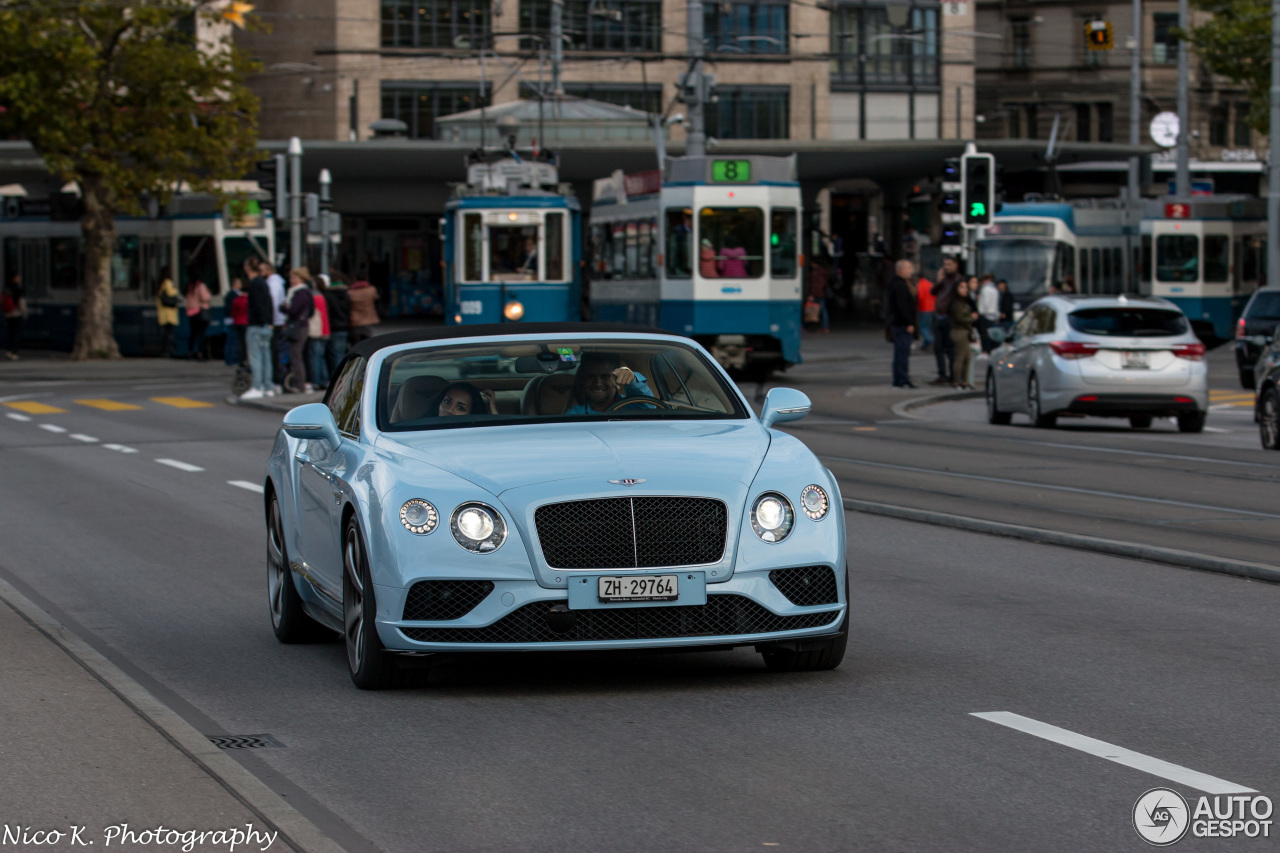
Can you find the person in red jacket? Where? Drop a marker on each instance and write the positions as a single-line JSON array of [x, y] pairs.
[[237, 350]]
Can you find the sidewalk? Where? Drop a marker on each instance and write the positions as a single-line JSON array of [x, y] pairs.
[[83, 745]]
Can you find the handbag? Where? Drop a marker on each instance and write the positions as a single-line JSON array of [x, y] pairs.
[[169, 300], [812, 311]]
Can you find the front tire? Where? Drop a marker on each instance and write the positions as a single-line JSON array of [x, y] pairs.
[[1038, 418], [828, 656], [1269, 420], [1192, 422], [371, 667], [289, 621], [994, 415]]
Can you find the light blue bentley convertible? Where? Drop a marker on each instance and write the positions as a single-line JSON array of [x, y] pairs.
[[550, 486]]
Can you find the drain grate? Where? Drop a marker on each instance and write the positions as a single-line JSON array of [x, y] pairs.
[[246, 742]]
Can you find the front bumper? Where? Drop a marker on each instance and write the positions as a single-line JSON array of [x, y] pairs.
[[1125, 405], [747, 609]]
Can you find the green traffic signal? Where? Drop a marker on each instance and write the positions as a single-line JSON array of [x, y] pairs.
[[977, 210]]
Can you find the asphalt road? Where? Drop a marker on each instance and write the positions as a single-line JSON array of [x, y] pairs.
[[160, 564]]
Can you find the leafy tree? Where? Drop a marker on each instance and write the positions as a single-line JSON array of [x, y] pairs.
[[1236, 43], [127, 98]]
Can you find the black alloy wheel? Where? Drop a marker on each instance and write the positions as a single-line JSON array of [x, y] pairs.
[[1269, 420], [994, 415], [371, 667], [289, 621], [1038, 418]]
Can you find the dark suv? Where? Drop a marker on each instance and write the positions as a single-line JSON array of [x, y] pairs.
[[1254, 331]]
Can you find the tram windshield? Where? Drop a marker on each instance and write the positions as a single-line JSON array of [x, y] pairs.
[[1029, 266], [513, 252], [731, 242], [1177, 257]]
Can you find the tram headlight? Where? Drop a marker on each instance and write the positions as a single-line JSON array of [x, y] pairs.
[[513, 310]]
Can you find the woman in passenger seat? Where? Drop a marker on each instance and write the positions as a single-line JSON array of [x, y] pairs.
[[463, 398], [601, 381]]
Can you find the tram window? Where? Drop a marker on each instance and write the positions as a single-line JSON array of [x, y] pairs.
[[1117, 269], [472, 247], [633, 249], [1144, 268], [1217, 257], [645, 266], [125, 264], [679, 243], [65, 263], [1177, 257], [1099, 280], [736, 236], [197, 258], [513, 253], [553, 232], [1250, 269], [236, 250], [1084, 272], [782, 243], [1108, 271], [1066, 263]]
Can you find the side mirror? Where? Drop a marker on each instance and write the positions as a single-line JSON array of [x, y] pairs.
[[783, 405], [313, 422], [996, 334]]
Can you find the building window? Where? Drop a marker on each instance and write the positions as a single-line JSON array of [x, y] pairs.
[[419, 103], [1013, 119], [1243, 135], [1084, 122], [745, 27], [750, 112], [1106, 129], [1032, 119], [866, 50], [434, 23], [1020, 54], [634, 95], [1165, 43], [609, 25], [1219, 118]]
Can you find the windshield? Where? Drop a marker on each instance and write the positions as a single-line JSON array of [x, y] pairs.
[[1026, 264], [1128, 322], [537, 382]]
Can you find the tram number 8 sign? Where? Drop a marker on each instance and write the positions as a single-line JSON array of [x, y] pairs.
[[731, 171]]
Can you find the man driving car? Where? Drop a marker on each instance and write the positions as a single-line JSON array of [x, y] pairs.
[[602, 381]]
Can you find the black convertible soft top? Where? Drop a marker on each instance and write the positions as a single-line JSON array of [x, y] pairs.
[[368, 347]]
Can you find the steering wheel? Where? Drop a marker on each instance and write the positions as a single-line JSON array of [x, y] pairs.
[[630, 401]]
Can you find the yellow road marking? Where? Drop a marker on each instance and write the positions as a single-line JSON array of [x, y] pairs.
[[108, 405], [865, 429], [33, 408], [182, 402], [1235, 394]]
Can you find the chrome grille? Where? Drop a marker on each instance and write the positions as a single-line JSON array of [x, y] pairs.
[[722, 615], [632, 533]]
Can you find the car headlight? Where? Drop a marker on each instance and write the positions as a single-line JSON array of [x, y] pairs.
[[772, 517], [814, 502], [478, 528], [418, 516]]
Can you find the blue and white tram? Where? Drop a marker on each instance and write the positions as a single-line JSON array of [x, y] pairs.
[[709, 250], [512, 246], [1035, 245], [194, 235], [1209, 258]]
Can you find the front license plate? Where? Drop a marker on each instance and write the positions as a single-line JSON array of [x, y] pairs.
[[648, 588], [1132, 360]]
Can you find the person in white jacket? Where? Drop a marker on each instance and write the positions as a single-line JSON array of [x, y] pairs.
[[988, 310]]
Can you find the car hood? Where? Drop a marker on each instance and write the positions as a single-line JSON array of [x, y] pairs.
[[501, 458]]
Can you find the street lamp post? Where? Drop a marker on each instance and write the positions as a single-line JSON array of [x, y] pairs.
[[1182, 185], [295, 202]]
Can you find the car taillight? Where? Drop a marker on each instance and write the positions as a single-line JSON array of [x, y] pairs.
[[1240, 328], [1191, 352], [1073, 349]]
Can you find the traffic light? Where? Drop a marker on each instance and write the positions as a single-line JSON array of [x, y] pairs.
[[273, 184], [949, 201], [952, 236], [978, 197], [1098, 35]]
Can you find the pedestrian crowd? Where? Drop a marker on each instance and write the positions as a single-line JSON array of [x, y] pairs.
[[953, 315]]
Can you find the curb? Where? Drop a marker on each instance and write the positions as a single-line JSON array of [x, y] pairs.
[[295, 830], [1114, 547], [902, 409], [266, 404]]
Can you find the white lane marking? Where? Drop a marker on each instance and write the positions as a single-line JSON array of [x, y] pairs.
[[87, 439], [120, 448], [18, 417], [53, 428], [1179, 456], [181, 466], [245, 484], [1051, 487], [20, 397], [1118, 754], [1217, 429]]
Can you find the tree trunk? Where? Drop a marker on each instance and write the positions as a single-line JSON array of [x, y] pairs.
[[95, 337]]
